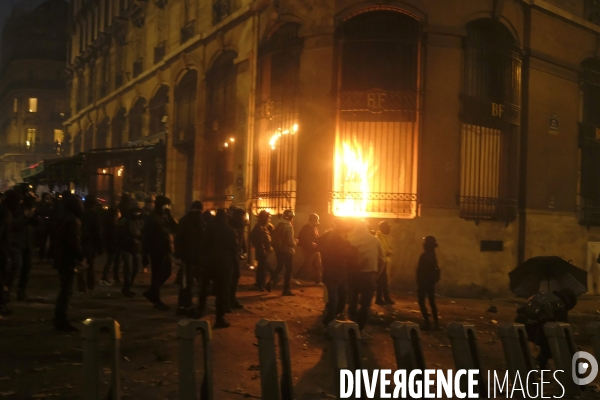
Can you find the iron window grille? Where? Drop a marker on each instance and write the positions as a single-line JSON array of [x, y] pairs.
[[589, 144], [375, 157], [491, 108], [221, 10], [220, 130], [276, 145], [160, 51], [138, 67], [188, 31]]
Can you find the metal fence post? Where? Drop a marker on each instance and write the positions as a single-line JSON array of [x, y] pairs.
[[407, 346], [92, 329], [186, 334], [271, 387], [465, 351], [562, 346]]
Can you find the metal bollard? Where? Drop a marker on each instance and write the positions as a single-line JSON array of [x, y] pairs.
[[516, 349], [466, 355], [593, 330], [562, 347], [186, 334], [271, 387], [345, 336], [92, 328], [408, 346]]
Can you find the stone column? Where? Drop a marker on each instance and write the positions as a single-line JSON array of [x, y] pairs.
[[316, 133]]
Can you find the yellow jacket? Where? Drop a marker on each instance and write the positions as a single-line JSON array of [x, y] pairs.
[[387, 251]]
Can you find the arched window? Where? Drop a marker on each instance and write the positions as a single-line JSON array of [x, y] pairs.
[[375, 160], [102, 134], [219, 131], [118, 125], [136, 120], [589, 143], [185, 106], [277, 121], [491, 105], [89, 138], [158, 110], [77, 142]]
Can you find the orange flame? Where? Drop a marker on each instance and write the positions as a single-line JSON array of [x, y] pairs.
[[352, 170]]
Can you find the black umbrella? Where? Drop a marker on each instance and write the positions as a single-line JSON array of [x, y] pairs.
[[547, 274]]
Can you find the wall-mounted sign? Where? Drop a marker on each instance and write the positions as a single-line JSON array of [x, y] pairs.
[[553, 124]]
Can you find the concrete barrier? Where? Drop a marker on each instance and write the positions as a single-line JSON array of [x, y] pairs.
[[466, 354], [562, 346], [593, 331], [272, 387], [408, 347], [516, 349], [346, 346], [92, 329], [187, 330]]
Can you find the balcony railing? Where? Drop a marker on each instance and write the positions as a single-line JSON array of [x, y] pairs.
[[138, 67], [159, 51], [188, 31], [221, 9]]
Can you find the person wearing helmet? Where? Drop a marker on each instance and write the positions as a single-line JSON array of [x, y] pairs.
[[428, 274], [383, 293], [260, 238], [284, 245], [238, 222], [307, 240]]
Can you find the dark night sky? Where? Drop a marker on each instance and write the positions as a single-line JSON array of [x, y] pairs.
[[6, 7]]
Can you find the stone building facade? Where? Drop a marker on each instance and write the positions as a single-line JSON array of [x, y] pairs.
[[475, 121], [33, 92]]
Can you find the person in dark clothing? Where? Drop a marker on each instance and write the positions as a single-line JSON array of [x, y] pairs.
[[542, 308], [260, 238], [188, 249], [158, 244], [285, 247], [129, 236], [92, 241], [111, 247], [220, 248], [44, 213], [21, 241], [124, 204], [335, 251], [307, 240], [383, 293], [68, 255], [239, 221], [428, 274], [148, 208], [5, 221]]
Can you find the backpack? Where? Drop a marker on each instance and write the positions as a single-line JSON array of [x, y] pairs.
[[278, 237]]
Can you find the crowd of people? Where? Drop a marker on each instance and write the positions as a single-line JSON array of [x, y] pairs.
[[350, 260]]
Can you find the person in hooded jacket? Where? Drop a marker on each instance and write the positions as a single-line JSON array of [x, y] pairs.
[[260, 238], [221, 251], [68, 256], [92, 240], [189, 249], [129, 234], [158, 244]]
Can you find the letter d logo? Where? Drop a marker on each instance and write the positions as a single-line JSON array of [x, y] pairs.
[[580, 367]]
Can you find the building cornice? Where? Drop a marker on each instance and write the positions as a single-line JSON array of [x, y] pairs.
[[572, 18], [201, 38]]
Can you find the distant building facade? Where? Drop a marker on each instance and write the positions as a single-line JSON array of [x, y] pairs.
[[473, 121], [33, 90]]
